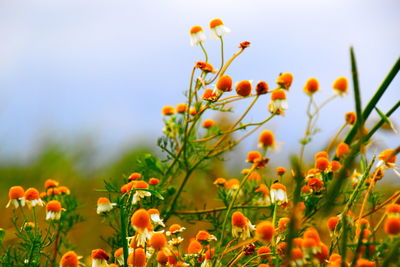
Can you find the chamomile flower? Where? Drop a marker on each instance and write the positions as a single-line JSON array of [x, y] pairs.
[[278, 194], [218, 29], [243, 88], [197, 35], [104, 205], [204, 236], [311, 86], [119, 256], [137, 258], [139, 194], [266, 198], [99, 258], [341, 85], [265, 231], [155, 217], [194, 247], [278, 103], [285, 80], [141, 223], [70, 259], [16, 195], [32, 198], [53, 210], [241, 226], [224, 84]]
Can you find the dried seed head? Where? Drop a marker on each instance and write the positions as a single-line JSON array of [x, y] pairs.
[[261, 88], [350, 117], [244, 45]]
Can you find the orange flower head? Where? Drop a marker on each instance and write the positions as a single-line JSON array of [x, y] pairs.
[[141, 219], [283, 224], [278, 186], [306, 189], [154, 181], [309, 243], [209, 95], [232, 183], [342, 150], [54, 206], [321, 154], [393, 208], [100, 254], [238, 219], [141, 185], [176, 228], [32, 194], [69, 259], [134, 176], [137, 258], [193, 110], [162, 258], [220, 181], [332, 222], [215, 23], [194, 247], [224, 83], [267, 139], [322, 164], [264, 250], [387, 157], [278, 95], [311, 86], [335, 165], [322, 255], [181, 108], [53, 191], [64, 190], [208, 123], [263, 189], [285, 80], [16, 192], [261, 88], [243, 88], [282, 248], [168, 110], [312, 234], [103, 201], [254, 176], [203, 235], [254, 156], [341, 85], [118, 253], [158, 240], [196, 29], [50, 183], [265, 230], [297, 254], [392, 226], [350, 117], [280, 171]]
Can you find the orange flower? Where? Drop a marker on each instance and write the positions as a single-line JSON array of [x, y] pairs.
[[218, 29], [315, 184], [283, 224], [99, 258], [224, 83], [141, 223], [243, 88], [254, 156], [104, 205], [311, 86], [350, 117], [53, 209], [241, 226], [297, 256], [139, 194], [155, 217], [137, 258], [204, 236], [154, 181], [168, 110], [393, 209], [278, 103], [194, 247], [208, 95], [264, 250], [220, 181], [261, 88], [162, 258], [340, 85], [197, 35], [278, 194], [387, 159], [119, 256], [266, 139], [205, 66], [335, 165], [64, 190], [321, 154], [175, 229], [265, 230], [69, 259], [285, 80], [280, 171], [181, 108], [312, 234], [16, 195], [134, 176], [158, 240], [332, 223], [392, 225], [322, 164], [50, 183], [32, 197], [365, 263], [342, 149], [208, 123]]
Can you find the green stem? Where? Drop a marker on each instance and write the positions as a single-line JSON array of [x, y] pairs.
[[276, 259], [124, 232], [204, 51]]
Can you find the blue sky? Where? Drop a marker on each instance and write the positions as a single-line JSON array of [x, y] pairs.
[[105, 68]]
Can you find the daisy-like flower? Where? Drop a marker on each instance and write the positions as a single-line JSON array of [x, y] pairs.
[[224, 84], [341, 85], [208, 123], [16, 195], [266, 199], [311, 86], [158, 240], [49, 183], [136, 175], [278, 194], [137, 258], [342, 150], [70, 259], [265, 231], [241, 226], [32, 198], [387, 159], [64, 190], [278, 103], [99, 258], [197, 35], [141, 223], [218, 29], [155, 217], [140, 193], [208, 258], [174, 231], [266, 140], [53, 210], [393, 209], [285, 80], [244, 87], [119, 256], [104, 205], [181, 108], [168, 110], [297, 256], [194, 247], [204, 236], [232, 185]]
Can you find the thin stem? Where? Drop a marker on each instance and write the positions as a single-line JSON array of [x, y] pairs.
[[222, 61], [276, 260], [124, 232], [204, 51], [205, 211]]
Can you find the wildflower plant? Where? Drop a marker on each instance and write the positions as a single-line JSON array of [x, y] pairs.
[[267, 217]]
